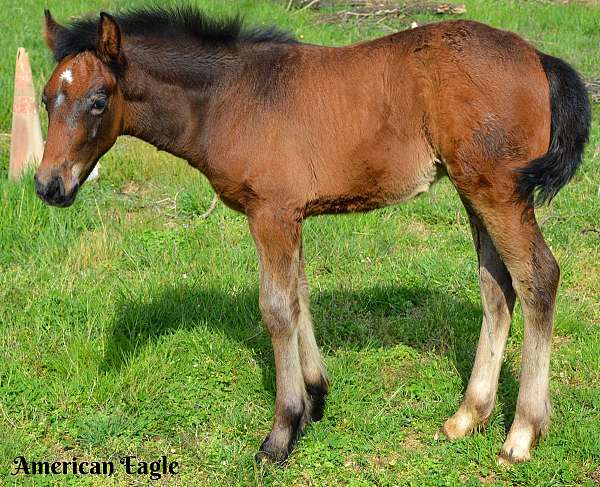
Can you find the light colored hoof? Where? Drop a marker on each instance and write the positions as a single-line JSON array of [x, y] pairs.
[[517, 447], [457, 426], [503, 461], [506, 459]]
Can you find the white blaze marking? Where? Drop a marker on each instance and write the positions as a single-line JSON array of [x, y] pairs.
[[67, 76]]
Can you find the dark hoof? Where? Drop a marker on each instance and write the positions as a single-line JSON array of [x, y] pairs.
[[317, 394], [268, 453]]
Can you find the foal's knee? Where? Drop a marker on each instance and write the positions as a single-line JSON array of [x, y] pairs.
[[279, 311]]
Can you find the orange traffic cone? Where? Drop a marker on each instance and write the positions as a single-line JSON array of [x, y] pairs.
[[26, 146]]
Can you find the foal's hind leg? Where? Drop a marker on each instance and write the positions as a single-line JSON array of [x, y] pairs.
[[497, 300], [313, 370], [535, 276], [277, 238]]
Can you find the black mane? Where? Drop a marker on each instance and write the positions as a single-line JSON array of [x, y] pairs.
[[182, 23]]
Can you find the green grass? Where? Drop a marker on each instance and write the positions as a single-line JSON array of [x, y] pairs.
[[128, 325]]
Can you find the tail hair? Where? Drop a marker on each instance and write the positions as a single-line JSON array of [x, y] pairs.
[[571, 117]]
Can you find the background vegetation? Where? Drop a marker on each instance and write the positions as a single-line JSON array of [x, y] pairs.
[[129, 325]]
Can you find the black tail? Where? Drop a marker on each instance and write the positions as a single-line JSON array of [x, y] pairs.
[[571, 118]]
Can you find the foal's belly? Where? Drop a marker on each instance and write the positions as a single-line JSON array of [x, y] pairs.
[[375, 189]]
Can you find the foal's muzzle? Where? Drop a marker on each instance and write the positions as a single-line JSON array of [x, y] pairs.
[[53, 192]]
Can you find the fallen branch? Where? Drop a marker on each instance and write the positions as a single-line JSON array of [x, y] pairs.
[[380, 10], [211, 208], [361, 14], [308, 5]]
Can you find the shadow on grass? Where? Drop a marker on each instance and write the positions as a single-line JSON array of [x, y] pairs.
[[419, 317]]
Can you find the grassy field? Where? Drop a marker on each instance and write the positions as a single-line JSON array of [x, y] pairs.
[[129, 325]]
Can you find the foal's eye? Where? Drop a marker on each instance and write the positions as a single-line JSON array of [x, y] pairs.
[[98, 106]]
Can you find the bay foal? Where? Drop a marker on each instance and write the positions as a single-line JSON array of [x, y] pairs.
[[284, 130]]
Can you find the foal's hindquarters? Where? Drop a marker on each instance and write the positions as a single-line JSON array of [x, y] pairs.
[[506, 126]]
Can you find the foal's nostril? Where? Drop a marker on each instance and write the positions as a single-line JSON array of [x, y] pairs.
[[53, 189], [61, 188], [54, 192]]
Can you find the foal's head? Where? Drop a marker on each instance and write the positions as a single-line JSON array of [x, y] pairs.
[[85, 111]]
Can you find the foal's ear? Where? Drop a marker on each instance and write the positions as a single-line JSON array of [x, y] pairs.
[[109, 39], [51, 30]]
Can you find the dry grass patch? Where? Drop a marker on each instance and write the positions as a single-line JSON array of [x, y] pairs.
[[95, 249]]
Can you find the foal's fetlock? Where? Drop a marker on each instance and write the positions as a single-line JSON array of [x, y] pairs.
[[314, 404], [317, 394]]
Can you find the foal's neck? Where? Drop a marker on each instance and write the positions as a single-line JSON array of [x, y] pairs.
[[169, 95]]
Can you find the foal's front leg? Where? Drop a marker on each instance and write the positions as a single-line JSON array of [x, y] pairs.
[[277, 238], [313, 369]]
